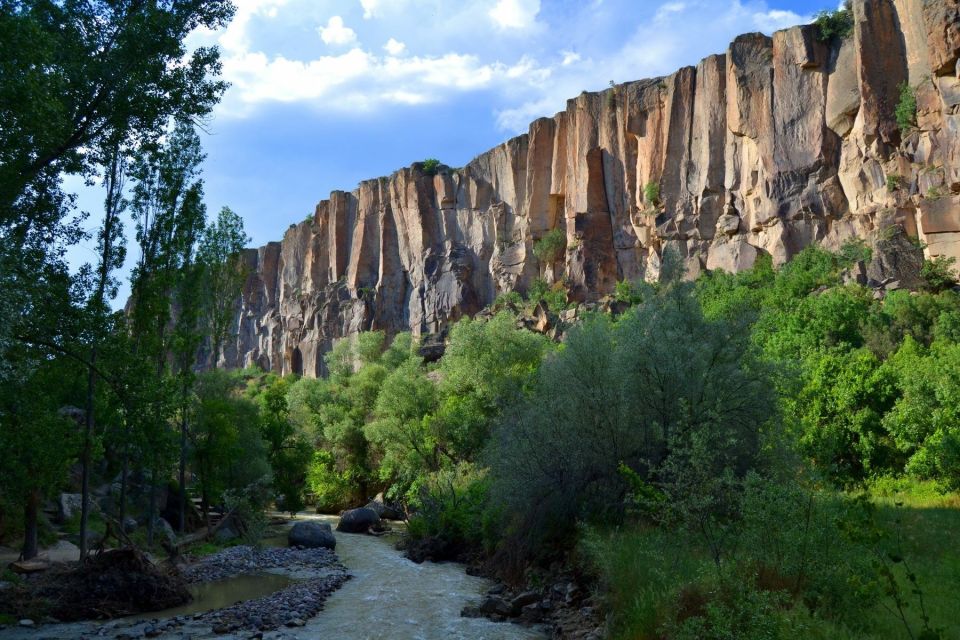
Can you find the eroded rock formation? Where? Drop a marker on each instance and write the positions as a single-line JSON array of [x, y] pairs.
[[779, 143]]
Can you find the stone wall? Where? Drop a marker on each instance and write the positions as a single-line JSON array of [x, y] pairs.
[[779, 143]]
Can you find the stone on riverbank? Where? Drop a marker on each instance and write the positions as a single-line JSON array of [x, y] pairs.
[[312, 535], [358, 520]]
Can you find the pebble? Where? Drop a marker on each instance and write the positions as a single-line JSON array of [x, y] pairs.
[[289, 607], [242, 559], [26, 622]]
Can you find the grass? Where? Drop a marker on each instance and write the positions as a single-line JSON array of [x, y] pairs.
[[209, 547], [648, 575]]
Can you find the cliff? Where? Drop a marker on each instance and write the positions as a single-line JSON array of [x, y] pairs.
[[774, 145]]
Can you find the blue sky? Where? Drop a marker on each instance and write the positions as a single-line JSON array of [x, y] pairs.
[[326, 93]]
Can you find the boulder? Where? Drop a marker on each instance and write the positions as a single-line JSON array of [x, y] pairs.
[[226, 533], [68, 505], [896, 257], [524, 599], [385, 511], [358, 520], [496, 605], [163, 531], [312, 535]]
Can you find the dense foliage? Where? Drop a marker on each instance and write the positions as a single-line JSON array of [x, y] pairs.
[[698, 421]]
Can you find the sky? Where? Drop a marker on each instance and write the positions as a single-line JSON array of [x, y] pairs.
[[325, 93]]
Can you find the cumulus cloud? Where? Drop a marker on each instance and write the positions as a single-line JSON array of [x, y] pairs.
[[569, 57], [336, 32], [394, 47], [775, 19], [370, 8], [430, 51], [515, 14]]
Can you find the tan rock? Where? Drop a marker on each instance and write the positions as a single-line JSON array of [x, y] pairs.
[[775, 145]]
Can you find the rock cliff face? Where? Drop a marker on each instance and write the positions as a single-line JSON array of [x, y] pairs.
[[777, 144]]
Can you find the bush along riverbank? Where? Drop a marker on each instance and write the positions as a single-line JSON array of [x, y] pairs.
[[718, 456]]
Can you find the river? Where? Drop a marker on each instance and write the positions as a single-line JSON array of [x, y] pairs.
[[392, 597], [388, 597]]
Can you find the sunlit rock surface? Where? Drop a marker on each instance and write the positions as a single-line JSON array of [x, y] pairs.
[[779, 143]]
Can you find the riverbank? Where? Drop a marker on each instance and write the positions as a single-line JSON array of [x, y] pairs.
[[366, 591], [313, 575]]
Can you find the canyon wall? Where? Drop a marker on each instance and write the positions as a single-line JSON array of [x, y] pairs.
[[779, 143]]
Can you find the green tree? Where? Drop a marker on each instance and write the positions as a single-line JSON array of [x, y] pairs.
[[75, 74], [487, 367], [223, 276], [227, 452], [112, 252], [41, 439], [401, 428], [656, 387], [169, 213], [551, 246], [288, 450]]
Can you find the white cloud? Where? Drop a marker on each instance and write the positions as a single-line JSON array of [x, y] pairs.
[[668, 8], [336, 33], [775, 19], [470, 47], [394, 47], [569, 57], [515, 14], [370, 8]]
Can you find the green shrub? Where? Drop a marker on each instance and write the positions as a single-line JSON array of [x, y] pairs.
[[430, 166], [627, 292], [834, 24], [508, 300], [650, 387], [554, 296], [854, 250], [939, 273], [331, 489], [612, 95], [894, 182], [551, 246], [906, 110], [449, 509], [651, 193]]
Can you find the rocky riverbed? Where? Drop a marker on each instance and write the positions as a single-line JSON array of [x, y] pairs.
[[316, 573]]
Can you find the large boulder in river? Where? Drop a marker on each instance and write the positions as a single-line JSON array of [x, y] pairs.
[[385, 511], [358, 520], [312, 535]]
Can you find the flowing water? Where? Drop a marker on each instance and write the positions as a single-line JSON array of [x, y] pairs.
[[388, 597], [392, 597]]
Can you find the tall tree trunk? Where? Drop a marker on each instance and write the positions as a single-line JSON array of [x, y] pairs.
[[112, 204], [124, 473], [30, 514], [205, 506], [152, 508], [85, 459], [183, 470]]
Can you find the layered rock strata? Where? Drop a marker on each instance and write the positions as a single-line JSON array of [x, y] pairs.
[[779, 143]]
